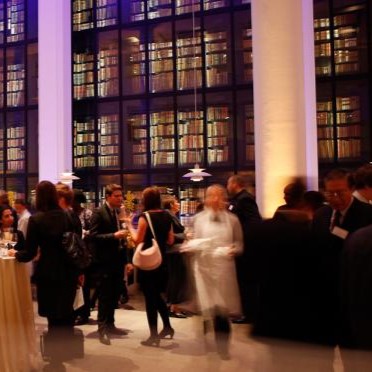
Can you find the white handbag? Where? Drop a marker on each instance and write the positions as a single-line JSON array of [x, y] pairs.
[[150, 258]]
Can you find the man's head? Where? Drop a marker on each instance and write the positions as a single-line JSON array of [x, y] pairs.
[[114, 195], [235, 184], [338, 189], [6, 217], [216, 197], [20, 206], [294, 193], [65, 195], [363, 181]]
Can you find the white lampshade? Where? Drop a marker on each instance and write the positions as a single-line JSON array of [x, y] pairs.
[[196, 174]]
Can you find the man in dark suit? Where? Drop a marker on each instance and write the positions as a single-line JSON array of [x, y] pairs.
[[332, 224], [107, 238], [243, 205]]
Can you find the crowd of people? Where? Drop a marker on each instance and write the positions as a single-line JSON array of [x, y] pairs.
[[303, 274]]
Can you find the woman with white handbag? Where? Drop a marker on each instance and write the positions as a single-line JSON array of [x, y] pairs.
[[153, 235]]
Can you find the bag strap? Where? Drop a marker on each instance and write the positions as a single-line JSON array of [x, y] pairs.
[[147, 214]]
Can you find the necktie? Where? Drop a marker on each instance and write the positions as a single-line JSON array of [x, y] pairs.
[[337, 220]]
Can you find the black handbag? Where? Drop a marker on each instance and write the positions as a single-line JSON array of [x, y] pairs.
[[76, 249]]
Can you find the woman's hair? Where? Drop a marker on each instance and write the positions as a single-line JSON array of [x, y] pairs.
[[46, 196], [65, 192], [3, 208], [151, 198], [168, 201]]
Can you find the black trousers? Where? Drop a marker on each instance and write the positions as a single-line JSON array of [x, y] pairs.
[[152, 283], [108, 292]]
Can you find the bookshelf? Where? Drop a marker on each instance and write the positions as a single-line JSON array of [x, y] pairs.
[[133, 62], [82, 15], [162, 138], [216, 58], [2, 21], [108, 141], [83, 75], [15, 81], [84, 143], [133, 10], [187, 6], [189, 198], [159, 8], [247, 54], [249, 133], [137, 139], [2, 147], [15, 145], [190, 136], [325, 130], [323, 51], [108, 71], [218, 134], [15, 29], [189, 60], [214, 4], [106, 13], [161, 66]]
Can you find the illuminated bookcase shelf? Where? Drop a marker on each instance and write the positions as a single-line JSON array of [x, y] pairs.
[[15, 20], [249, 132], [82, 15], [15, 144], [137, 124], [161, 66], [108, 72], [159, 8], [108, 141], [83, 75], [247, 54], [84, 144], [106, 13], [187, 6]]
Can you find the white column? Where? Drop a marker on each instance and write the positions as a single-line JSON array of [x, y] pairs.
[[284, 98], [54, 43]]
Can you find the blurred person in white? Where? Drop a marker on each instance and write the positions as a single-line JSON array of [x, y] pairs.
[[214, 265]]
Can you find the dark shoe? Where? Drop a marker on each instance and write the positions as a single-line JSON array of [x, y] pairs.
[[151, 341], [174, 314], [104, 338], [242, 320], [167, 332], [116, 331], [81, 321]]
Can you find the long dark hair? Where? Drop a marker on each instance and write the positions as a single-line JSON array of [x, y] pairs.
[[151, 198], [46, 196]]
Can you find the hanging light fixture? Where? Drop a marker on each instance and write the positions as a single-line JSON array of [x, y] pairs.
[[67, 178], [196, 174]]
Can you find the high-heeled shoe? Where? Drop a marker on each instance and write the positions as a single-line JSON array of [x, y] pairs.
[[151, 341], [169, 331]]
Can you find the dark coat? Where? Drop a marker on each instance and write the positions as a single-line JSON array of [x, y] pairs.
[[55, 275], [356, 289], [328, 249], [106, 248]]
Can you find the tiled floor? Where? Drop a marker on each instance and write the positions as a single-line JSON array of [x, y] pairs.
[[191, 351]]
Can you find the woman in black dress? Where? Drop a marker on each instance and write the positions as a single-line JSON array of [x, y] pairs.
[[153, 282], [55, 276]]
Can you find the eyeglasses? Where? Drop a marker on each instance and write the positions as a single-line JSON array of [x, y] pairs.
[[336, 194]]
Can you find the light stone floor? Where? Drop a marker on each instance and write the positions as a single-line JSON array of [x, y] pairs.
[[191, 351]]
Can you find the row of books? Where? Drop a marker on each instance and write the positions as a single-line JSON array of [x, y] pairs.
[[17, 142], [15, 99], [87, 149], [108, 161], [218, 155], [15, 153], [190, 156], [161, 143], [16, 165]]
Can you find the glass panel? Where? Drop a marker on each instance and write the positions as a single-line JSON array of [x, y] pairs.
[[108, 64], [102, 182], [352, 121], [108, 136], [84, 137], [161, 58], [31, 189], [87, 184], [2, 146], [159, 8], [82, 15], [213, 4], [245, 124], [162, 141], [133, 10], [189, 57], [1, 78], [32, 19], [15, 76], [239, 2], [325, 120], [83, 68], [32, 74], [164, 181], [2, 20], [135, 134], [15, 142], [322, 36], [217, 49], [187, 6], [15, 188], [32, 141], [15, 29], [134, 58], [190, 129], [106, 13], [243, 47], [191, 197], [219, 129]]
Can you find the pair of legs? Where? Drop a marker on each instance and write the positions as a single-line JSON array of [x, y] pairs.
[[152, 288]]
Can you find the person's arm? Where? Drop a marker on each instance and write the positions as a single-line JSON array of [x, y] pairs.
[[138, 236], [170, 239], [96, 222]]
